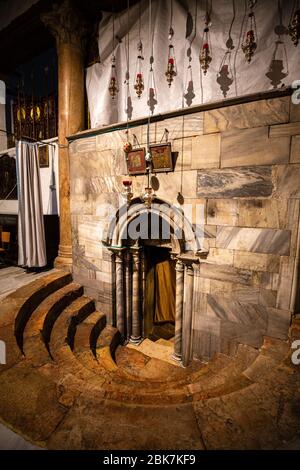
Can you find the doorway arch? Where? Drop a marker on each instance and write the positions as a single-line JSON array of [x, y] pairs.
[[129, 274]]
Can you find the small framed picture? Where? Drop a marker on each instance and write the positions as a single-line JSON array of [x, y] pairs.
[[136, 162], [161, 157], [44, 156]]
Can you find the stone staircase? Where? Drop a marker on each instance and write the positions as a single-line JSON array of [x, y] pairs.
[[69, 382]]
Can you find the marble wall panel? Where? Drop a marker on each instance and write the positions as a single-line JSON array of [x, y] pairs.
[[235, 182], [225, 273], [256, 261], [206, 151], [287, 179], [264, 213], [253, 147], [285, 130], [222, 212], [255, 114], [295, 150], [254, 240]]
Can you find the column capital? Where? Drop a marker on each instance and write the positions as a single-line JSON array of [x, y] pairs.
[[66, 24]]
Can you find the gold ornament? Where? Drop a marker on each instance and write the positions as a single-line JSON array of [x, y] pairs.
[[294, 28]]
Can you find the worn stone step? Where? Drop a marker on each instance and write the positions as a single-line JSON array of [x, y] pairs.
[[68, 321], [38, 328], [17, 307], [156, 350], [226, 379]]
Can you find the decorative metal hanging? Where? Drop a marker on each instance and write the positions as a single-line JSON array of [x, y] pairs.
[[113, 84], [139, 80], [171, 71], [205, 53], [294, 25], [139, 85], [249, 45]]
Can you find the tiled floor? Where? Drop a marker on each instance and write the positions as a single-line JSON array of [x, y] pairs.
[[13, 277]]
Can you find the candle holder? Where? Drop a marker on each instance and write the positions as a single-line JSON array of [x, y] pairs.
[[127, 193]]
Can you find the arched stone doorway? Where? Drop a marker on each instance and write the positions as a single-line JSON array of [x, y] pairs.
[[134, 228]]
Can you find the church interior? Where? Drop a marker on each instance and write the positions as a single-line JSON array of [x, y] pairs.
[[150, 225]]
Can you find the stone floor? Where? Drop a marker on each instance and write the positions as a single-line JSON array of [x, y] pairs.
[[13, 277], [69, 383]]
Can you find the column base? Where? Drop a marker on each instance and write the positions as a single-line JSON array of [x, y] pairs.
[[64, 259], [176, 357], [134, 340]]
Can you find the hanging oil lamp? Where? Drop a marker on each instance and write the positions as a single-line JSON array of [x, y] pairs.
[[148, 196], [127, 193], [139, 81], [205, 53], [171, 71], [113, 84], [294, 27], [249, 45]]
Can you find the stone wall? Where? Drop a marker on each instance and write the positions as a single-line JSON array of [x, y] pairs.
[[242, 163]]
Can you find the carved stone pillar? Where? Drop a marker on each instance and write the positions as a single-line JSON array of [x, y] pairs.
[[136, 301], [188, 316], [179, 310], [128, 281], [69, 31], [120, 307]]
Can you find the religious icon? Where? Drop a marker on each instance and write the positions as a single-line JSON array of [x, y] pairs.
[[44, 156], [161, 157], [136, 162]]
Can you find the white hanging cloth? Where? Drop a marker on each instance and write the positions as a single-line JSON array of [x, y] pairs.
[[274, 64], [31, 233]]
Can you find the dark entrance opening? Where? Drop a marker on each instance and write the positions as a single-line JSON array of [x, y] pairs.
[[159, 309]]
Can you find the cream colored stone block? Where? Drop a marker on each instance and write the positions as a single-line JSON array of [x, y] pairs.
[[183, 153], [253, 147], [222, 211], [220, 256], [255, 114], [206, 151], [287, 179], [285, 130], [256, 261], [264, 213], [295, 150], [294, 112]]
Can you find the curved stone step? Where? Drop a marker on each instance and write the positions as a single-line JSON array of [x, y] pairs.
[[18, 306], [38, 329], [68, 321], [222, 381]]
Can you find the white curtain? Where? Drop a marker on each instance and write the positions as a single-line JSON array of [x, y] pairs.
[[274, 64], [31, 233]]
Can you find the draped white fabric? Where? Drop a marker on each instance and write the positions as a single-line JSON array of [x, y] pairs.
[[31, 234], [275, 62]]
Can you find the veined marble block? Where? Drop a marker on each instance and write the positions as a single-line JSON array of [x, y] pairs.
[[294, 112], [295, 150], [253, 147], [242, 116], [287, 181], [256, 261], [278, 323], [86, 144], [254, 240], [235, 182], [238, 292], [220, 256], [225, 273], [285, 130], [183, 150]]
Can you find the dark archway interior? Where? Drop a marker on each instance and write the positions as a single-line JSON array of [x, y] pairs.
[[159, 310]]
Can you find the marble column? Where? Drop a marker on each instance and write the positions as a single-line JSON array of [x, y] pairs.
[[120, 307], [136, 302], [179, 310], [128, 281], [69, 30], [188, 316]]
